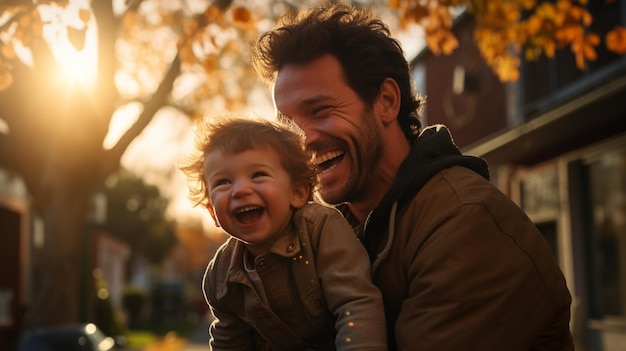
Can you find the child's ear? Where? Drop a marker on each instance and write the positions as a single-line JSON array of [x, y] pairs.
[[300, 195], [212, 212]]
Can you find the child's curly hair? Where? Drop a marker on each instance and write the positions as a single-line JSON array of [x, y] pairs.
[[231, 134]]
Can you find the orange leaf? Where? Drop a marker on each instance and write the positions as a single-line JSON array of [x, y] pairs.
[[570, 33], [242, 15], [533, 24], [84, 15], [8, 51], [506, 69], [528, 4], [449, 43], [6, 79], [210, 15], [77, 37], [549, 48], [593, 39], [590, 53], [616, 40], [210, 64], [186, 54], [580, 62]]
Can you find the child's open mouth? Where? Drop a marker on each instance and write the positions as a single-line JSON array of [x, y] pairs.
[[250, 214]]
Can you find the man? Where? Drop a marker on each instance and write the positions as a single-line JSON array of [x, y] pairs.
[[460, 266]]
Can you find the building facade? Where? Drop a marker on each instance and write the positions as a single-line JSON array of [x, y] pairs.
[[555, 141], [14, 243]]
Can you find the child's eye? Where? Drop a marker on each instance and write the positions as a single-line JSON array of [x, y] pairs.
[[219, 182], [259, 174]]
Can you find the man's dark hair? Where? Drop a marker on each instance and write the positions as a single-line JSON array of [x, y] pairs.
[[359, 40]]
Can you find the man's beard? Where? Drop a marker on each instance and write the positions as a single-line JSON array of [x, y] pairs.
[[369, 148]]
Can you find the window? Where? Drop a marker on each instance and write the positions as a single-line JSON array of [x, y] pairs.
[[539, 197], [549, 231], [606, 241]]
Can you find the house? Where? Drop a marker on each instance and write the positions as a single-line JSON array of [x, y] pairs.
[[555, 141], [14, 243]]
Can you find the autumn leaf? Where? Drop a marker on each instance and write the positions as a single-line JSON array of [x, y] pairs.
[[415, 14], [506, 68], [6, 79], [449, 43], [185, 51], [212, 14], [241, 15], [616, 40], [8, 51], [580, 14], [84, 15], [570, 33], [532, 53], [77, 37], [210, 64], [534, 24], [584, 50]]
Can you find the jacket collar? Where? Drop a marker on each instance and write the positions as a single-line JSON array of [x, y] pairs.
[[431, 152]]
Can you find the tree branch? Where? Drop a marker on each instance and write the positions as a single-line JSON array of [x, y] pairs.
[[157, 101], [108, 27]]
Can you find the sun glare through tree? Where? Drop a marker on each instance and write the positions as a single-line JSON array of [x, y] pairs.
[[71, 33]]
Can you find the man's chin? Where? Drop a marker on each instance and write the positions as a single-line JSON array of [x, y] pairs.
[[333, 183], [331, 195]]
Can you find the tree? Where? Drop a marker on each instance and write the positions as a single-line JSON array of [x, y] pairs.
[[136, 214], [508, 29], [52, 131]]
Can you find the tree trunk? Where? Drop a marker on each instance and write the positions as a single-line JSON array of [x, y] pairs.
[[61, 280]]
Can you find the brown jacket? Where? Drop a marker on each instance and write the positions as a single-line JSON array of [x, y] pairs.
[[460, 266], [318, 286]]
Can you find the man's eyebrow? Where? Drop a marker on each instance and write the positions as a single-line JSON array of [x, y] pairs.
[[304, 103], [315, 99]]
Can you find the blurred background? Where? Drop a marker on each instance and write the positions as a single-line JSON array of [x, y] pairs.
[[97, 101]]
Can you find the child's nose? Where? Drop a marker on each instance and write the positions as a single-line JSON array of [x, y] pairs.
[[241, 188]]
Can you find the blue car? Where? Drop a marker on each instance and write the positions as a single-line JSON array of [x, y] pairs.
[[79, 337]]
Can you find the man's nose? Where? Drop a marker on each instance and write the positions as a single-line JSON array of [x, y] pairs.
[[310, 133]]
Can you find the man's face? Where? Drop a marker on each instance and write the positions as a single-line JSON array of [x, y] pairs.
[[342, 132]]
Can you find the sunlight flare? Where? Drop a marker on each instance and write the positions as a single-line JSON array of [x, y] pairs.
[[71, 32]]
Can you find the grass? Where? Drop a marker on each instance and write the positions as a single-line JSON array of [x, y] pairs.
[[159, 338], [140, 338]]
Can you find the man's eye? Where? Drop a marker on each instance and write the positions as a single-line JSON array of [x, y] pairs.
[[320, 110]]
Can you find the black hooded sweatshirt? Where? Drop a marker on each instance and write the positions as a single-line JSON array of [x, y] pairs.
[[431, 152]]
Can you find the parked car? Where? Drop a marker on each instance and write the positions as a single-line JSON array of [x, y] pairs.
[[78, 337]]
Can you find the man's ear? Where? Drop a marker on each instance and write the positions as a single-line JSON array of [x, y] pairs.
[[387, 103], [212, 212], [300, 195]]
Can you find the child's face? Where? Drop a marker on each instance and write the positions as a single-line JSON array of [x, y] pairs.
[[252, 195]]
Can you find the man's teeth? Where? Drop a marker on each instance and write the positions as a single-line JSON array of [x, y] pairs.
[[327, 156]]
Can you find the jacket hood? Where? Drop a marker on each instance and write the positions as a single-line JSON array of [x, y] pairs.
[[431, 152]]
